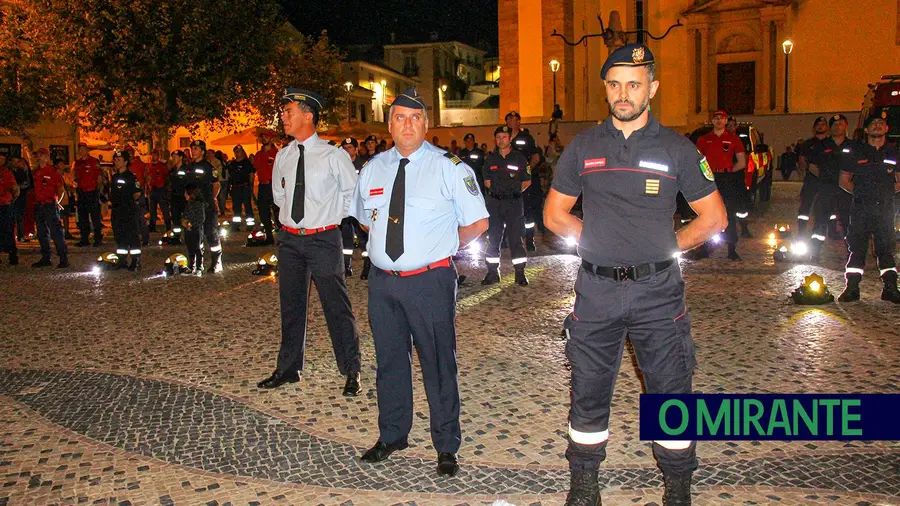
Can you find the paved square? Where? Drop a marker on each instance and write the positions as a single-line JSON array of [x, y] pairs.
[[124, 388]]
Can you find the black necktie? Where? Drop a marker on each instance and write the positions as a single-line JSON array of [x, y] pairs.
[[394, 243], [299, 189]]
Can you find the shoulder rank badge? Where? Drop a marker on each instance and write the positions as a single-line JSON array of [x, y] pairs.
[[704, 168], [471, 185], [453, 158]]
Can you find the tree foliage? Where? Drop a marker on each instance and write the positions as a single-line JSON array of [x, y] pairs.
[[142, 67]]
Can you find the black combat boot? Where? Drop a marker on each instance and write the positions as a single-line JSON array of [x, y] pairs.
[[890, 292], [745, 230], [678, 490], [13, 257], [135, 263], [733, 254], [348, 269], [851, 291], [492, 276], [584, 489], [521, 280], [63, 262], [367, 264], [43, 262], [98, 240], [122, 262], [215, 264]]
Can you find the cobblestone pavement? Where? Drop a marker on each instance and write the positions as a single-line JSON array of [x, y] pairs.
[[122, 388]]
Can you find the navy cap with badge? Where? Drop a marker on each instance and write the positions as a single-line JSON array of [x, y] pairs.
[[351, 141], [503, 130], [820, 119], [630, 55], [312, 99], [199, 143], [875, 117], [469, 136], [410, 98], [371, 138], [512, 114], [836, 118]]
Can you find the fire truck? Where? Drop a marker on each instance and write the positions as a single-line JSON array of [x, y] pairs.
[[883, 99]]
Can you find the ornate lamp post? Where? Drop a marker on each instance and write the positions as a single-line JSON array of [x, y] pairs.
[[554, 67], [786, 46], [349, 87]]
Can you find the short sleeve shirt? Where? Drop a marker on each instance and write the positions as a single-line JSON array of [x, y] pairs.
[[158, 172], [239, 172], [831, 159], [264, 162], [630, 188], [719, 150], [139, 169], [87, 171], [506, 173], [124, 186], [442, 195]]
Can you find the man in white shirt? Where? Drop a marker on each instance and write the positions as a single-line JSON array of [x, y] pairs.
[[312, 183]]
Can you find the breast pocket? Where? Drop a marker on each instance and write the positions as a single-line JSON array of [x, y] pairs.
[[423, 203]]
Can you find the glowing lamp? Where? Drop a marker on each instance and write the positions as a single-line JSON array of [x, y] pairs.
[[266, 265], [812, 291]]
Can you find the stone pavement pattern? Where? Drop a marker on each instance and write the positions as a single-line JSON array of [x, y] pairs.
[[136, 389]]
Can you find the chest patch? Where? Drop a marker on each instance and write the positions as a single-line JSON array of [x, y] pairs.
[[376, 191], [595, 163], [653, 166], [651, 187]]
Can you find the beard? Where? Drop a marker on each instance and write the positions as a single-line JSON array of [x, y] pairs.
[[628, 117]]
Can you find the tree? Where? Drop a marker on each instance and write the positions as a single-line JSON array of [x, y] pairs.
[[140, 68]]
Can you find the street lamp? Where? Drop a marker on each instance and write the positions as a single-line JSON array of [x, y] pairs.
[[786, 46], [554, 67], [348, 86]]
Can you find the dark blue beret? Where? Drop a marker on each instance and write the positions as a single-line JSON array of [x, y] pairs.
[[503, 129], [836, 117], [309, 98], [410, 98], [631, 55], [821, 119]]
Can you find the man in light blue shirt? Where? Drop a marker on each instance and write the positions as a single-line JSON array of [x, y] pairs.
[[419, 204], [312, 182]]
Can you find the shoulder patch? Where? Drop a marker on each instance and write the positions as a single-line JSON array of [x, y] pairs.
[[453, 158], [215, 174], [704, 168], [471, 185], [137, 184]]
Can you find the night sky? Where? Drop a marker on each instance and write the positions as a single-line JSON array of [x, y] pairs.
[[350, 22]]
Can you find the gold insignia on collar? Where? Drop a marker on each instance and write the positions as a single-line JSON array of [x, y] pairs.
[[637, 55]]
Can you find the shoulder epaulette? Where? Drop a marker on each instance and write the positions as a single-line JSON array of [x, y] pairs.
[[453, 158]]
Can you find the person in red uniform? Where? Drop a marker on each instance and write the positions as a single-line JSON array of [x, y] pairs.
[[139, 169], [263, 163], [88, 181], [9, 192], [158, 176], [48, 191], [724, 152]]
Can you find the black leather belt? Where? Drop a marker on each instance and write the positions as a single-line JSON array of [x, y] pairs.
[[633, 272], [505, 197]]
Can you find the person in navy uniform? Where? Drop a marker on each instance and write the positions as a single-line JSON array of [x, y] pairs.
[[240, 183], [351, 234], [524, 142], [124, 197], [870, 175], [810, 153], [507, 177], [178, 177], [420, 204], [312, 185], [474, 157], [629, 170], [201, 174], [828, 206]]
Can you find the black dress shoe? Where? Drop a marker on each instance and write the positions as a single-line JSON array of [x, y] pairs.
[[447, 465], [279, 378], [381, 451], [351, 387]]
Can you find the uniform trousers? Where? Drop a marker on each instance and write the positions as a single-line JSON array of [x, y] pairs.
[[126, 232], [8, 229], [507, 216], [89, 214], [211, 229], [177, 205], [353, 236], [143, 228], [240, 201], [827, 202], [807, 196], [734, 195], [267, 208], [872, 217], [46, 218], [159, 198], [317, 257], [416, 310], [651, 311], [193, 239]]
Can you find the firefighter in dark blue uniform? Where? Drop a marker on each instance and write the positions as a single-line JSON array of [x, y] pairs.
[[124, 194], [828, 206], [420, 205], [524, 142], [810, 157], [474, 157], [629, 170], [201, 174], [870, 175], [506, 179], [352, 235], [177, 175], [240, 184]]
